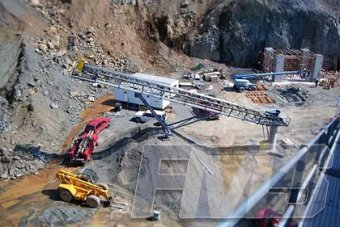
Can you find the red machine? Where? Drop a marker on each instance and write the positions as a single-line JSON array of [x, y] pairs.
[[83, 146], [266, 217]]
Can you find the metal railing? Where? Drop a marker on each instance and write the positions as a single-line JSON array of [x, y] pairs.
[[315, 155]]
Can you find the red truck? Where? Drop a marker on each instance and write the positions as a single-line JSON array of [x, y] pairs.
[[83, 146]]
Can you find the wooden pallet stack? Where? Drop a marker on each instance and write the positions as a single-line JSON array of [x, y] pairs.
[[261, 87], [259, 97]]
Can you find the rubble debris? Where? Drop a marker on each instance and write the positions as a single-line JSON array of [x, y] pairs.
[[63, 215], [42, 47], [5, 115], [30, 107], [184, 4], [328, 82], [81, 44], [74, 94], [54, 106], [198, 67], [25, 159], [296, 96]]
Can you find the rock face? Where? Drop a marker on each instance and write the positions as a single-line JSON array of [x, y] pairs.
[[235, 31], [9, 55]]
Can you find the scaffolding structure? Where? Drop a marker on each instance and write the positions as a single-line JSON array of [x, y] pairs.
[[268, 60], [278, 60]]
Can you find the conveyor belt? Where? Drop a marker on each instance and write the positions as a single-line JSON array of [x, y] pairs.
[[125, 81]]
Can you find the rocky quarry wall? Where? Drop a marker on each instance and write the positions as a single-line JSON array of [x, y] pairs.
[[228, 31], [236, 31]]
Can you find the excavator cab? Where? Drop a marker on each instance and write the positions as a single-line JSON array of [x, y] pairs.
[[88, 175]]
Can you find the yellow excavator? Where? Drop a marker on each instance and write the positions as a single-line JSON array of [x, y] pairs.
[[83, 187]]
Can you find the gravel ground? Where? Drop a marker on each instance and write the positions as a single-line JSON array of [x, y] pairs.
[[44, 104]]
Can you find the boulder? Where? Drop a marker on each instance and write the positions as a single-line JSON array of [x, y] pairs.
[[50, 45], [74, 94], [35, 2], [56, 41], [30, 107], [5, 156], [91, 30], [53, 29], [46, 93], [184, 4], [42, 47], [54, 106]]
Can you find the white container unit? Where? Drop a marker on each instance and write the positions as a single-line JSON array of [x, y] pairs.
[[131, 97]]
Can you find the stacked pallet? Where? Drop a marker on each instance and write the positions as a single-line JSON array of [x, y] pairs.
[[261, 87], [259, 97]]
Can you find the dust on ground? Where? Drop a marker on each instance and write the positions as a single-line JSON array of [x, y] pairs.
[[118, 165], [48, 102], [305, 120]]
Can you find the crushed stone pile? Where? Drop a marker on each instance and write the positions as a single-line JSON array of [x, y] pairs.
[[25, 159], [296, 96]]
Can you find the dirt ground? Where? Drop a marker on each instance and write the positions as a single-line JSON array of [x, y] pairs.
[[48, 108], [121, 148], [305, 121]]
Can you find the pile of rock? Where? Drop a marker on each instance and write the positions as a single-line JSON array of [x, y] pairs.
[[80, 45], [16, 164], [85, 44], [48, 44], [62, 215], [77, 45], [5, 115], [124, 2]]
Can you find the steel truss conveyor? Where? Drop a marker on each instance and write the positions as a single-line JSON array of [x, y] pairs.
[[95, 74]]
